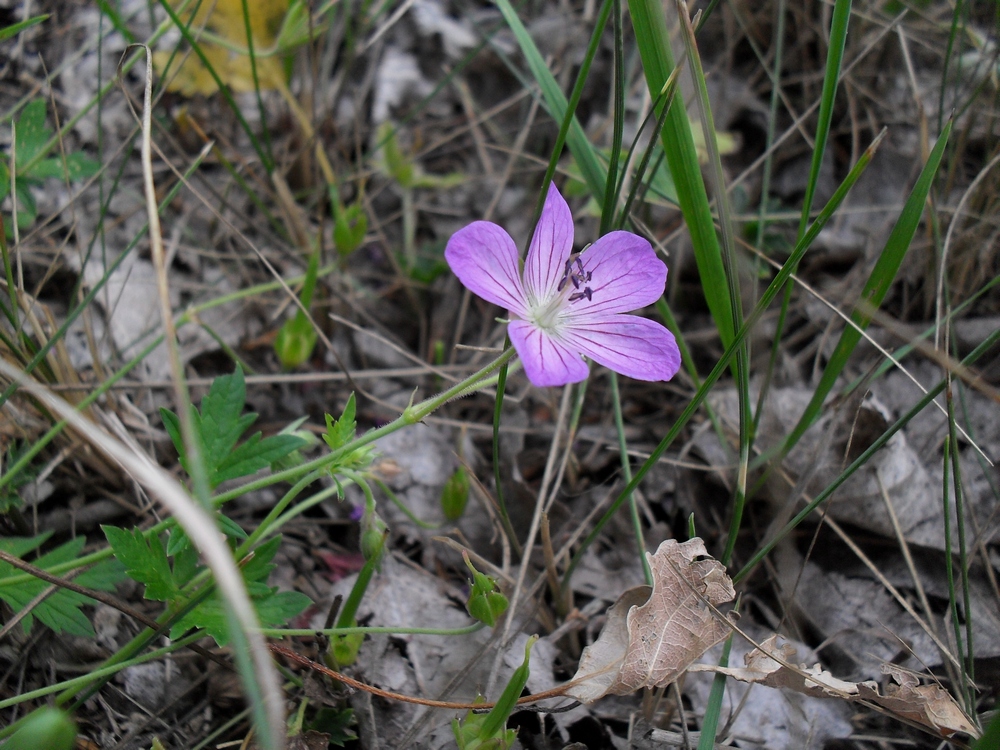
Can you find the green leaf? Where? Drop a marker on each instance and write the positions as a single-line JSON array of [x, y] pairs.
[[31, 132], [145, 561], [335, 723], [273, 608], [341, 431], [60, 611], [219, 426], [579, 144], [253, 455], [222, 421]]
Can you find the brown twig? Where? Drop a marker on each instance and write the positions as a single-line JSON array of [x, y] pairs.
[[556, 692]]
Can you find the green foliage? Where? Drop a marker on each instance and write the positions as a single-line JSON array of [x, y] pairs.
[[47, 728], [218, 427], [10, 496], [469, 734], [488, 731], [455, 494], [145, 561], [350, 225], [486, 601], [340, 432], [335, 724], [8, 32], [32, 136], [59, 611], [273, 608], [148, 562], [295, 342]]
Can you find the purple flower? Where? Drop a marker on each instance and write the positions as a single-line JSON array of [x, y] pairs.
[[567, 305]]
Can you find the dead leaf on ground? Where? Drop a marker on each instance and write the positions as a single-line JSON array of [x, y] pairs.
[[653, 635], [928, 705]]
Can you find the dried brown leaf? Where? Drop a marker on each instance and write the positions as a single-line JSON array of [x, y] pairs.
[[764, 669], [928, 705], [652, 644]]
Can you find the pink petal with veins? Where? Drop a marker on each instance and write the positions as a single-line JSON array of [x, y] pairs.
[[546, 361], [625, 273], [484, 258], [550, 247], [627, 344]]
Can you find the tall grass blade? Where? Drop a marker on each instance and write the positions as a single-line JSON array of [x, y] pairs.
[[834, 63], [653, 40], [875, 288], [579, 145], [766, 298], [973, 356]]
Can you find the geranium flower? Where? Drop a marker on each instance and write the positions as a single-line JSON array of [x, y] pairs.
[[568, 305]]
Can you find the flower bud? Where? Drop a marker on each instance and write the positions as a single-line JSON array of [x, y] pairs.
[[486, 602], [455, 494], [47, 728], [295, 342], [373, 534]]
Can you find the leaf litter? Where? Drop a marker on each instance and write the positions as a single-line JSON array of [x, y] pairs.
[[650, 635]]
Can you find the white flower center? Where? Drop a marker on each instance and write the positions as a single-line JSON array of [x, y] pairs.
[[546, 313]]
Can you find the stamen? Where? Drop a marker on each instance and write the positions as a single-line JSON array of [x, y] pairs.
[[587, 292]]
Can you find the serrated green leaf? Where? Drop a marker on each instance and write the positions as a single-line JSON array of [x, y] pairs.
[[273, 608], [145, 561], [219, 425], [185, 565], [341, 431], [60, 611], [253, 455]]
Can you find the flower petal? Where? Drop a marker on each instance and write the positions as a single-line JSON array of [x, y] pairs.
[[625, 275], [484, 258], [546, 361], [550, 247], [627, 344]]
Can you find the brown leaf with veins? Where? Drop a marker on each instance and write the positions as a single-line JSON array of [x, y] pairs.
[[652, 644], [764, 669], [928, 705]]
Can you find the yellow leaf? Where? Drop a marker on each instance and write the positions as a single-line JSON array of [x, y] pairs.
[[224, 19]]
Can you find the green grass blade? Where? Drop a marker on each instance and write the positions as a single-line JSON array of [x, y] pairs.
[[713, 709], [8, 32], [610, 193], [875, 288], [732, 278], [834, 63], [579, 145], [766, 298], [653, 40], [861, 460]]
